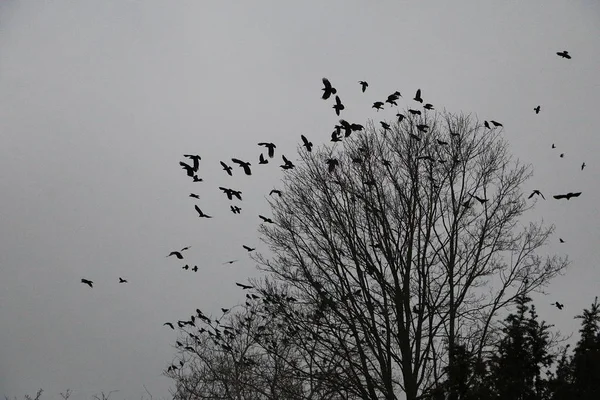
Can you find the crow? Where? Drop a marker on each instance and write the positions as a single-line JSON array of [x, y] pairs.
[[195, 269], [345, 125], [235, 209], [356, 127], [418, 96], [88, 282], [306, 143], [392, 99], [287, 163], [536, 192], [229, 262], [243, 164], [338, 106], [188, 168], [562, 155], [537, 109], [178, 253], [378, 105], [495, 123], [244, 287], [560, 240], [414, 112], [224, 310], [364, 85], [582, 166], [400, 117], [428, 106], [332, 163], [567, 196], [422, 128], [328, 90], [558, 305], [194, 196], [226, 168], [384, 125], [196, 159], [265, 219], [169, 324], [197, 178], [200, 213], [230, 193], [487, 125], [270, 147], [564, 54], [121, 280], [248, 248], [186, 267], [275, 191], [262, 160], [553, 146], [441, 142], [479, 199]]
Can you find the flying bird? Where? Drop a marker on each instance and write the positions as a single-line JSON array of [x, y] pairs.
[[265, 219], [418, 96], [328, 90], [226, 168], [188, 168], [195, 158], [200, 213], [564, 54], [229, 262], [441, 142], [558, 305], [235, 209], [378, 105], [169, 324], [270, 146], [392, 99], [562, 155], [243, 164], [121, 280], [536, 192], [306, 143], [567, 196], [275, 191], [414, 112], [194, 196], [428, 106], [230, 193], [495, 123], [244, 287], [195, 269], [400, 117], [582, 166], [384, 125], [287, 163], [248, 248], [346, 126], [332, 163], [363, 85], [422, 128], [178, 253], [197, 178], [338, 106], [88, 282], [553, 146], [487, 125], [561, 240], [537, 109], [186, 267], [262, 160]]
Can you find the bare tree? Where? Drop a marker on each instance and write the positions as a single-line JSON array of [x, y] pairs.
[[400, 245]]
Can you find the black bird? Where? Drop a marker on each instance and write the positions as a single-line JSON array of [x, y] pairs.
[[188, 168], [495, 123], [338, 106], [195, 158], [328, 90], [248, 248], [262, 160], [422, 128], [567, 196], [306, 143], [169, 324], [400, 117], [378, 105], [562, 155], [479, 199], [414, 112], [186, 267], [487, 125], [441, 142], [270, 146], [226, 168], [537, 109], [287, 163], [200, 213], [244, 287], [428, 106], [332, 163], [243, 164], [195, 269], [224, 310], [121, 280], [536, 192], [88, 282], [194, 196], [235, 209], [356, 127], [275, 191], [553, 146], [564, 54], [392, 99], [345, 125], [560, 240], [229, 262], [384, 125], [364, 85], [230, 193], [582, 166], [558, 305], [335, 137], [178, 253], [197, 178], [265, 219], [418, 96]]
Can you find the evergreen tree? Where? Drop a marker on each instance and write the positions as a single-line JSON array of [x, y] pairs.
[[586, 358]]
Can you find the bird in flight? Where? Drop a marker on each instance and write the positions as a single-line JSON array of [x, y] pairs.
[[537, 109], [487, 125], [197, 178], [338, 106], [400, 117], [414, 112], [121, 280], [422, 128], [248, 248], [88, 282], [363, 85], [418, 96], [306, 143], [226, 168], [265, 219], [332, 163], [564, 54], [235, 209], [562, 155], [536, 192], [553, 146], [558, 305], [230, 193], [495, 123], [328, 90], [441, 142], [287, 163], [188, 168], [244, 287], [169, 324], [384, 125], [229, 262], [243, 164], [262, 160], [392, 99], [194, 196], [200, 213], [195, 158], [275, 191], [186, 267], [178, 253], [428, 106], [561, 240], [567, 196], [270, 147], [582, 166], [195, 269], [378, 105]]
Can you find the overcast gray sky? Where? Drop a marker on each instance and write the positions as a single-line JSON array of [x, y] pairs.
[[100, 99]]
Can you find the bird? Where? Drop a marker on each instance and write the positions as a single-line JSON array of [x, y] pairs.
[[287, 163], [428, 106], [479, 199], [487, 125], [169, 324], [243, 164], [197, 178], [582, 166], [363, 85], [536, 192], [561, 240], [226, 168], [441, 142], [418, 96], [332, 163], [87, 282], [378, 105], [195, 269], [248, 248], [558, 305], [553, 146], [346, 126], [495, 123], [338, 106], [392, 99], [229, 262], [328, 90], [270, 146], [244, 287], [195, 158], [564, 54], [188, 168], [384, 125], [400, 117], [121, 280], [194, 196], [224, 310], [200, 213], [235, 209], [275, 191], [186, 267], [178, 253], [265, 219], [262, 160], [562, 155], [230, 193], [567, 196], [414, 112], [356, 127], [308, 145], [537, 109], [422, 128]]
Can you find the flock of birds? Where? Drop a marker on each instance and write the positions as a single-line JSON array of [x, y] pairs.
[[343, 129]]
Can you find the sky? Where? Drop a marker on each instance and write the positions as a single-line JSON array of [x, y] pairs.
[[100, 100]]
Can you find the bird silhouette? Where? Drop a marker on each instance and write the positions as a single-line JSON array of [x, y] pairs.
[[467, 204], [495, 123], [121, 280], [422, 128], [275, 191], [537, 109], [230, 262], [178, 253], [224, 310], [248, 248], [400, 117], [244, 287], [87, 282], [287, 164], [230, 193], [265, 219], [558, 305], [418, 96], [306, 143], [582, 166], [186, 267], [332, 163], [243, 164], [262, 160], [553, 146], [226, 168], [567, 196], [384, 125], [346, 126], [338, 106], [392, 99], [195, 158], [356, 127], [197, 178], [536, 192], [188, 168], [235, 209], [363, 85], [200, 213], [328, 90], [414, 112], [169, 324], [561, 240], [562, 155], [428, 106], [564, 54], [195, 269], [487, 125], [378, 105], [194, 196], [270, 146]]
